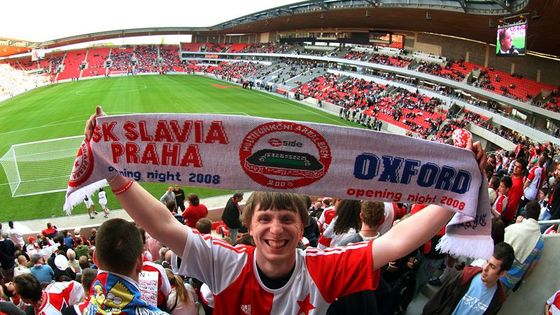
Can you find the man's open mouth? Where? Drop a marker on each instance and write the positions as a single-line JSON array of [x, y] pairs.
[[276, 244]]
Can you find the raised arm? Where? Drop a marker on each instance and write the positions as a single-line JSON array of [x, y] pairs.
[[419, 228], [147, 211], [409, 234]]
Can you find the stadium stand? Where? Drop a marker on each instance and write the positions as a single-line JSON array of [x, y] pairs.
[[71, 65], [96, 58]]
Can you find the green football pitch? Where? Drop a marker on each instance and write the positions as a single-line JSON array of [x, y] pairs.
[[61, 110]]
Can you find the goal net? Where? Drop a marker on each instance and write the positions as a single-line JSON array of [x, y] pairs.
[[40, 167]]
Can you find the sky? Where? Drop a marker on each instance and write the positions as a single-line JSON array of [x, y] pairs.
[[46, 20]]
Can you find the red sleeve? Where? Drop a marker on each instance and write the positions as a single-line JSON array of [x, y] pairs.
[[185, 214], [417, 207], [399, 212], [531, 173], [341, 271]]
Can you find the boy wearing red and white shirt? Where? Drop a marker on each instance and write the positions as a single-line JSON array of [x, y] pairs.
[[500, 205], [53, 299]]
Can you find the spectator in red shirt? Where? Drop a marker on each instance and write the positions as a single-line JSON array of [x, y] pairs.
[[195, 211], [50, 231], [516, 191]]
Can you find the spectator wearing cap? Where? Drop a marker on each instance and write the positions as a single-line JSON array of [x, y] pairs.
[[79, 238], [31, 247], [60, 266], [43, 272]]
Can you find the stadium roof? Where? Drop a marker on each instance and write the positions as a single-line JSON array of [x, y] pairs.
[[472, 19]]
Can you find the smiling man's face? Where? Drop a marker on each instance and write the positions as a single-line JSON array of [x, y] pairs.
[[276, 234]]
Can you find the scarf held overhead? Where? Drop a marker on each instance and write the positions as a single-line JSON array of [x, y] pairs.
[[239, 152]]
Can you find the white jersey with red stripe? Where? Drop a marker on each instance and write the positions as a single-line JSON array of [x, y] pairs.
[[554, 304], [59, 295], [500, 204], [319, 277], [535, 176], [326, 217]]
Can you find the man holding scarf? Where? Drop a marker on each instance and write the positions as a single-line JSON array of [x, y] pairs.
[[274, 277]]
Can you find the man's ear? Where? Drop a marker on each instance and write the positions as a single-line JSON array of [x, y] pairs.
[[503, 273], [95, 261], [139, 263]]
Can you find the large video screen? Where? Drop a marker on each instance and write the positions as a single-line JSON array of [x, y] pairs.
[[380, 38], [386, 39], [510, 40]]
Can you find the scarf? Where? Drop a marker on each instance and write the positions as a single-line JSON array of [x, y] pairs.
[[523, 237], [116, 294], [248, 153]]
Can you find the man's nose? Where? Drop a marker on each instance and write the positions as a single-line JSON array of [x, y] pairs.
[[276, 227]]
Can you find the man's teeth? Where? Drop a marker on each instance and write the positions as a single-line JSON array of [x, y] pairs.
[[276, 243]]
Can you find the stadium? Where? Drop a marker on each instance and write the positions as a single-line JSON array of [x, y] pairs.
[[418, 69]]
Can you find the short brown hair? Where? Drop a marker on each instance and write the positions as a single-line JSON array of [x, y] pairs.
[[274, 201], [373, 213], [118, 245], [204, 226], [88, 275], [28, 287], [193, 199]]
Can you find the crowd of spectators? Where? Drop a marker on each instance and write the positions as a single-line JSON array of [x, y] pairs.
[[14, 82], [444, 71], [237, 70], [56, 258], [399, 61], [361, 99], [147, 59], [121, 59]]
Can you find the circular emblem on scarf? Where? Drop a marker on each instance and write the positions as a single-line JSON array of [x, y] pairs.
[[83, 165], [284, 155], [461, 137]]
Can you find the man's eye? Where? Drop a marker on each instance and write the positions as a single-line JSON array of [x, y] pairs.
[[264, 219]]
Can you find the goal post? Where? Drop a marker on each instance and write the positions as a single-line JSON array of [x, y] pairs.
[[40, 167]]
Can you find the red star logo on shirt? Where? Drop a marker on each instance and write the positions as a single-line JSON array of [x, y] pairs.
[[305, 306]]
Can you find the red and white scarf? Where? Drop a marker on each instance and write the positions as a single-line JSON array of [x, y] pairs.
[[239, 152]]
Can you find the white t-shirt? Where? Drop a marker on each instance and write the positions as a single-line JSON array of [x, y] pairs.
[[102, 197], [16, 236], [319, 277], [88, 202], [535, 177]]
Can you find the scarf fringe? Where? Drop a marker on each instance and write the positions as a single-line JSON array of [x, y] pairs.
[[476, 247], [77, 197]]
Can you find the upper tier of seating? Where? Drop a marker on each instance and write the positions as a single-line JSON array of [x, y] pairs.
[[493, 80]]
